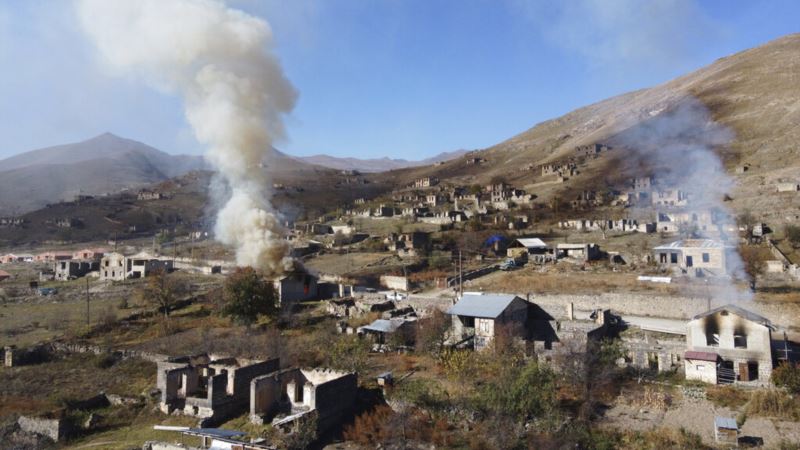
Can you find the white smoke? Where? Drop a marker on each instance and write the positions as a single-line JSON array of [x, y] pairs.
[[679, 145], [235, 94]]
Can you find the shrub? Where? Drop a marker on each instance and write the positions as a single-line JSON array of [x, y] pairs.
[[787, 375], [773, 403]]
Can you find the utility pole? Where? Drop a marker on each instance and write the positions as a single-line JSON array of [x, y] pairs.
[[460, 275], [87, 301]]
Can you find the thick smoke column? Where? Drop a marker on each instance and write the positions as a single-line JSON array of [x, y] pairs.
[[235, 97]]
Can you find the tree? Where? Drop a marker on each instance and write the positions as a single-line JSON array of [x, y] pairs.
[[792, 233], [162, 291], [787, 375], [432, 332], [247, 294]]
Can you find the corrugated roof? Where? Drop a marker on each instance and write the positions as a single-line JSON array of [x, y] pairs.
[[384, 325], [691, 243], [725, 422], [700, 356], [485, 305], [532, 243], [741, 312]]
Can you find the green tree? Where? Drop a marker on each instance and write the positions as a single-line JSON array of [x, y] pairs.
[[523, 392], [247, 295]]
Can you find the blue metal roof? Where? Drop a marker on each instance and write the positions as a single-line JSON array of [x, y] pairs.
[[482, 305], [215, 432]]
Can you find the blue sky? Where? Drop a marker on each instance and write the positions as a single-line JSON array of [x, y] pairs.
[[404, 79]]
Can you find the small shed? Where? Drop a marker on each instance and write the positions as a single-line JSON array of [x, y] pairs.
[[382, 330], [726, 431], [530, 246]]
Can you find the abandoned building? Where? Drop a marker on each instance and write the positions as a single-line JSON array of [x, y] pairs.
[[69, 270], [112, 267], [557, 341], [729, 344], [481, 317], [89, 253], [425, 182], [149, 195], [295, 393], [697, 257], [533, 249], [115, 266], [296, 287], [671, 197], [397, 330], [207, 387], [53, 256], [578, 252]]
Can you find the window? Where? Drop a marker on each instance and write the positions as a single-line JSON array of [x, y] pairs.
[[740, 341], [712, 339], [673, 258], [663, 257], [700, 367], [706, 257]]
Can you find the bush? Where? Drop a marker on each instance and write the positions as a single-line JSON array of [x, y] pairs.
[[787, 375], [773, 403], [727, 396], [523, 392]]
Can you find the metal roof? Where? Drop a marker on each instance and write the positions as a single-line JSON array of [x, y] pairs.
[[741, 312], [485, 305], [725, 422], [384, 325], [532, 243], [691, 243]]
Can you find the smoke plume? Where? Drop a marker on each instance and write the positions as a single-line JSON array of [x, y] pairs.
[[679, 146], [235, 93]]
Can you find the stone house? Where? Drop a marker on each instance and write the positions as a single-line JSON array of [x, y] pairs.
[[208, 387], [112, 267], [591, 150], [481, 317], [729, 344], [296, 287], [53, 256], [670, 197], [89, 253], [426, 182], [143, 264], [16, 257], [397, 330], [325, 394], [642, 183], [149, 195], [787, 187], [69, 270], [703, 256], [524, 247]]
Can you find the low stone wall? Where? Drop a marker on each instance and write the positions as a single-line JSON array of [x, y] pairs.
[[63, 347]]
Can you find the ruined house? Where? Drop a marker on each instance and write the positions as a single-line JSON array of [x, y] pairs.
[[787, 187], [16, 257], [591, 150], [208, 387], [578, 252], [283, 397], [69, 270], [729, 344], [695, 256], [143, 264], [671, 197], [296, 287], [112, 267], [149, 195], [52, 256], [396, 330], [479, 318], [426, 182], [89, 253]]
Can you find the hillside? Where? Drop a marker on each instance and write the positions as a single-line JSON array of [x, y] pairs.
[[377, 164], [102, 165], [753, 93]]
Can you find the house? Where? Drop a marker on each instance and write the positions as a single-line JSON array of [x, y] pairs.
[[327, 395], [642, 183], [69, 270], [787, 187], [426, 182], [143, 264], [434, 200], [296, 287], [523, 247], [700, 255], [4, 275], [52, 256], [212, 389], [481, 317], [149, 195], [728, 344], [591, 150], [16, 257], [397, 330], [671, 197], [475, 160], [579, 252], [89, 253], [112, 267]]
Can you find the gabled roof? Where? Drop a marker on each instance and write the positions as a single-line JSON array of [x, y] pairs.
[[726, 423], [482, 305], [532, 243], [384, 325], [751, 316]]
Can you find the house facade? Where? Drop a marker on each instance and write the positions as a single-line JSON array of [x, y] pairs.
[[700, 255], [729, 344], [481, 317]]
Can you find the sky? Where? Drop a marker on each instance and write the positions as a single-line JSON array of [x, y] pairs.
[[397, 78]]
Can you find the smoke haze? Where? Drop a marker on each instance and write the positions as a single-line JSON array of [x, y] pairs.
[[235, 94]]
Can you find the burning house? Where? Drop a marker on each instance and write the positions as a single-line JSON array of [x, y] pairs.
[[695, 256], [296, 287], [729, 344]]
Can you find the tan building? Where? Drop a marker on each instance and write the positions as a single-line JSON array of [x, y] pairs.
[[698, 255], [729, 344], [112, 267]]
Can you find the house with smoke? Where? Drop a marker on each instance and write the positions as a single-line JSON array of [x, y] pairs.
[[670, 197], [479, 318], [695, 256], [729, 344], [296, 287]]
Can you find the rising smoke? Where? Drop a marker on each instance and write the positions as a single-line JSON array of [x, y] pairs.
[[680, 145], [218, 59]]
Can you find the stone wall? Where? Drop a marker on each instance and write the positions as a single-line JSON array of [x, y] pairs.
[[55, 429]]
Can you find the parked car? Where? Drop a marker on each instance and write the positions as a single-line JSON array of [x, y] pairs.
[[396, 296], [508, 264], [44, 292]]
